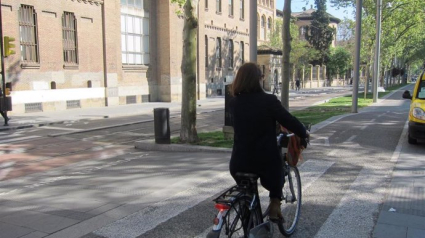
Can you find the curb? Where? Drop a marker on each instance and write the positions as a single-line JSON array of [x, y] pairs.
[[150, 145]]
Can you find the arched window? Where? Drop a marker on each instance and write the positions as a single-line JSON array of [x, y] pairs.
[[269, 24], [218, 6], [242, 9], [206, 51], [53, 85], [242, 52], [263, 27], [230, 53], [258, 27], [218, 51]]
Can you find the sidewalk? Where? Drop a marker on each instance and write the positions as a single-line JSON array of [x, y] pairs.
[[403, 212], [26, 120]]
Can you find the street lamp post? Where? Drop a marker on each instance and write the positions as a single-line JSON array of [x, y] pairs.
[[377, 50], [357, 55]]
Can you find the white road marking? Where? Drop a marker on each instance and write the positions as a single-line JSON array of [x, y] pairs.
[[60, 128], [397, 150], [2, 142], [6, 136], [351, 138], [326, 141]]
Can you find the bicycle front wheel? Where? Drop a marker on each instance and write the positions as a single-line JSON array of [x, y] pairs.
[[291, 203], [240, 220]]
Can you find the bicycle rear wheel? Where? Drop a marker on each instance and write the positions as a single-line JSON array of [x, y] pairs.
[[291, 203], [240, 220]]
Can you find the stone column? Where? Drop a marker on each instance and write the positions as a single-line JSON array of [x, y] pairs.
[[311, 76], [318, 76]]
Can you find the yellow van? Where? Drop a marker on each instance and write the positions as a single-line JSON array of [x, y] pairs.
[[417, 111]]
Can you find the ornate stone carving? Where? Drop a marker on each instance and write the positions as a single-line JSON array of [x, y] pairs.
[[96, 2]]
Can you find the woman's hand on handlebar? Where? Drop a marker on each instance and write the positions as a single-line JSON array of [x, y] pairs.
[[305, 141]]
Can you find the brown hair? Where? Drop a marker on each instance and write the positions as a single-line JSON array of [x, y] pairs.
[[247, 80]]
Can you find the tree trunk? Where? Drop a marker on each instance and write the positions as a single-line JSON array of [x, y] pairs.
[[188, 131], [286, 67]]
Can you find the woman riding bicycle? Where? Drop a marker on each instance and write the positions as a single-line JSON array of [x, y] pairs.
[[255, 149]]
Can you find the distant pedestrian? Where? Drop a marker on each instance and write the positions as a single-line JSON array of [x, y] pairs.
[[297, 85], [3, 111]]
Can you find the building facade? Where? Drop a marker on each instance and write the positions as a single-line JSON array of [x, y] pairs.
[[96, 53], [266, 15]]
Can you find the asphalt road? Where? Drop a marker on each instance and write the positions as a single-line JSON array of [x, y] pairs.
[[95, 184]]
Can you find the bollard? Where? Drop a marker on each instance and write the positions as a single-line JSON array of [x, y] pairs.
[[162, 125]]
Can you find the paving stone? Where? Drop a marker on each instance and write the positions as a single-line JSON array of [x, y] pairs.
[[389, 231], [415, 233], [35, 234], [83, 228], [11, 231], [39, 221], [399, 219]]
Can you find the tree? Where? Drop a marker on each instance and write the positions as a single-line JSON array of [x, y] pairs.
[[402, 38], [188, 131], [286, 67], [339, 63], [276, 35], [319, 34]]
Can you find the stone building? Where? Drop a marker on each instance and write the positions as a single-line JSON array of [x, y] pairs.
[[224, 37], [95, 53]]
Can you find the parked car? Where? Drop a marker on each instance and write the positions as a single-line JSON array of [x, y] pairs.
[[417, 111]]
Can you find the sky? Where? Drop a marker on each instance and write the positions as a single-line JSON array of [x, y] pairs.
[[297, 6]]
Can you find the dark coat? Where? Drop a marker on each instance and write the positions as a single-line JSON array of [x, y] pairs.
[[254, 122]]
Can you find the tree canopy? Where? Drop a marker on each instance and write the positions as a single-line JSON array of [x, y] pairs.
[[319, 34]]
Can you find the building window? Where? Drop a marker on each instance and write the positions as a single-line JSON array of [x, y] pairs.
[[242, 52], [206, 4], [135, 3], [258, 27], [230, 53], [218, 6], [263, 27], [134, 40], [230, 7], [302, 32], [218, 52], [206, 51], [242, 9], [28, 34], [69, 38], [269, 24]]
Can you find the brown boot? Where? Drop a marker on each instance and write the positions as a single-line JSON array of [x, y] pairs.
[[275, 213]]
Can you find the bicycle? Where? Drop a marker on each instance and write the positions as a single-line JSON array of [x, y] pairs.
[[239, 207]]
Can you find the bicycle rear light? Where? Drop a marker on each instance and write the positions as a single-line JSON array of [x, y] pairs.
[[222, 207]]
